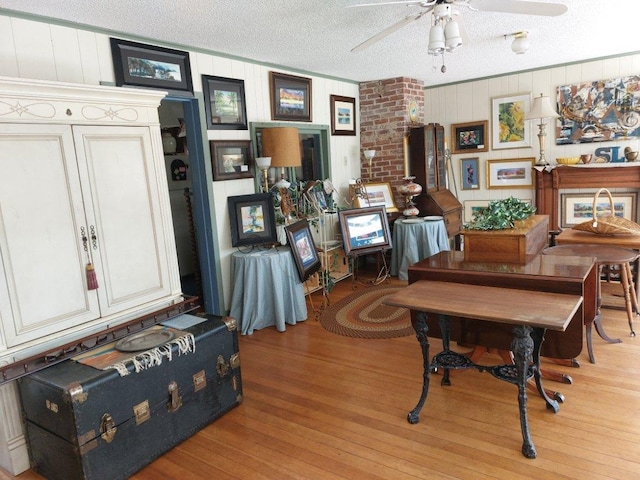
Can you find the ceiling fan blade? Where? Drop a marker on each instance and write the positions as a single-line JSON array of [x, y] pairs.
[[388, 31], [519, 6], [409, 3]]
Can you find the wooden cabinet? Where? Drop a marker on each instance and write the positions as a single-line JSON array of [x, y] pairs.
[[82, 181], [428, 164]]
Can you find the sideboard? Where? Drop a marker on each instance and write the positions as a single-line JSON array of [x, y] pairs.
[[549, 182]]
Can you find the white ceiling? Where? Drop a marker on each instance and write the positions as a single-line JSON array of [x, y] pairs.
[[316, 36]]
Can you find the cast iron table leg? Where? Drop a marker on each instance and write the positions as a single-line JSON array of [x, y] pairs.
[[421, 328], [522, 348]]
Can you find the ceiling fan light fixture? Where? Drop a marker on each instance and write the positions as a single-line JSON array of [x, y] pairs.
[[452, 36], [436, 40], [520, 42]]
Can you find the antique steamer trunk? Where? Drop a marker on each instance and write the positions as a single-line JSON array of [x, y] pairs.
[[86, 423]]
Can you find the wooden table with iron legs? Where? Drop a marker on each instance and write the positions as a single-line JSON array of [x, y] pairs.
[[531, 314]]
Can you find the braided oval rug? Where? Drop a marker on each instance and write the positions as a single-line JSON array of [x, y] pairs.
[[363, 315]]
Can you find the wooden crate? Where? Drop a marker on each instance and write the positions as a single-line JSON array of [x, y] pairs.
[[514, 245]]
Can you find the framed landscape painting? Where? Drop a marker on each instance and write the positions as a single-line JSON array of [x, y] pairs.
[[514, 173], [224, 103], [252, 219], [578, 207], [290, 97], [377, 194], [343, 115], [364, 230], [142, 65]]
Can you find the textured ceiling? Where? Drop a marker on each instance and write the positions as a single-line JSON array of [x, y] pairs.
[[316, 36]]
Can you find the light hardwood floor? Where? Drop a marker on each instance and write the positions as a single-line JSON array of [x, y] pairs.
[[323, 406]]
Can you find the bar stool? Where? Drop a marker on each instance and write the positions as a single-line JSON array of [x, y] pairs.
[[605, 255]]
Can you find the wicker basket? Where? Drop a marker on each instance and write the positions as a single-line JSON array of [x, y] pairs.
[[608, 224]]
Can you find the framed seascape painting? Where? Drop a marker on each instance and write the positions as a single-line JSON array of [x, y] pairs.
[[578, 207], [470, 173], [303, 249], [377, 194], [364, 230], [515, 173], [470, 137], [224, 103], [343, 115], [141, 65], [471, 207], [252, 219], [290, 97], [509, 128], [231, 159]]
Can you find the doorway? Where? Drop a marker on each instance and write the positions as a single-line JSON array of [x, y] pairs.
[[189, 198]]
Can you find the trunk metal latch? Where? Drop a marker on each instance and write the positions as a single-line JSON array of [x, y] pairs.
[[108, 428], [175, 400]]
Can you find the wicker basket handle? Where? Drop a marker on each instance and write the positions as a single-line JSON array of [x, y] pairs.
[[595, 203]]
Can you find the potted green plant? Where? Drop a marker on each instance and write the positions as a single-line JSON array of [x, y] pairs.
[[501, 214]]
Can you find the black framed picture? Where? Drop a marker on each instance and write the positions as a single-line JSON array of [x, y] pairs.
[[343, 115], [224, 103], [141, 65], [470, 137], [364, 230], [253, 219], [290, 97], [303, 249], [231, 159]]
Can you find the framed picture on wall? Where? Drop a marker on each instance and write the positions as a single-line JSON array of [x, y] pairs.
[[471, 207], [343, 115], [252, 219], [470, 137], [514, 173], [509, 129], [290, 97], [231, 159], [578, 207], [470, 173], [142, 65], [224, 103]]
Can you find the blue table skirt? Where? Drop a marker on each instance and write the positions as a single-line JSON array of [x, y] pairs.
[[266, 290], [414, 241]]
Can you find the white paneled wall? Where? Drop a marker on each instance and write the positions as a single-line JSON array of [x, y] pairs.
[[471, 101], [32, 49]]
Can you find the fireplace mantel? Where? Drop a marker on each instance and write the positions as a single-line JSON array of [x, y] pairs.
[[550, 180]]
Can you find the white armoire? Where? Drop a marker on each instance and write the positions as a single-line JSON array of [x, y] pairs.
[[82, 180]]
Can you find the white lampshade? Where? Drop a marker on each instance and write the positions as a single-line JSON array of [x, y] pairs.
[[520, 43], [369, 154], [436, 40], [541, 108], [263, 162], [452, 36]]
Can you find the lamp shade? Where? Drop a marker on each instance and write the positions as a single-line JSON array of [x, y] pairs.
[[282, 144], [520, 44], [263, 162], [436, 40], [541, 108], [452, 36]]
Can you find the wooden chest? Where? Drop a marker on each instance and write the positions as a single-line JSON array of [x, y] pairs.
[[87, 423], [513, 245]]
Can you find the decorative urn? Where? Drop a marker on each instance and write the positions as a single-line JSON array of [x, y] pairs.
[[409, 189]]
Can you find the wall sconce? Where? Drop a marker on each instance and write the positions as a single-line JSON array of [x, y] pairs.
[[263, 164], [369, 154], [520, 42], [541, 109]]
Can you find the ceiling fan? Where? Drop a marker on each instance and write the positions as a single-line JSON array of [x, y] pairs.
[[442, 13]]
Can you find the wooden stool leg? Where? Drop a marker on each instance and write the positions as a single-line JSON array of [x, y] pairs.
[[630, 302]]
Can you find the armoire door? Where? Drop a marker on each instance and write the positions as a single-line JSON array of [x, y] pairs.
[[42, 262], [119, 178]]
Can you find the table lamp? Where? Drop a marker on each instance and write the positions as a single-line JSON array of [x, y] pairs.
[[541, 109], [282, 144], [263, 164]]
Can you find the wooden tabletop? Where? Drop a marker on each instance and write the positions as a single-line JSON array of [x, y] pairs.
[[570, 236], [552, 311], [603, 253]]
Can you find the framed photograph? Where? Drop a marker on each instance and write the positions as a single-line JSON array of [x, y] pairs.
[[470, 137], [231, 159], [224, 103], [471, 207], [377, 194], [364, 230], [141, 65], [252, 219], [303, 249], [509, 128], [470, 173], [343, 115], [515, 173], [290, 97], [578, 207]]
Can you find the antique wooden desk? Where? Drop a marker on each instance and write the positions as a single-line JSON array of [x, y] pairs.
[[570, 275], [529, 313]]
